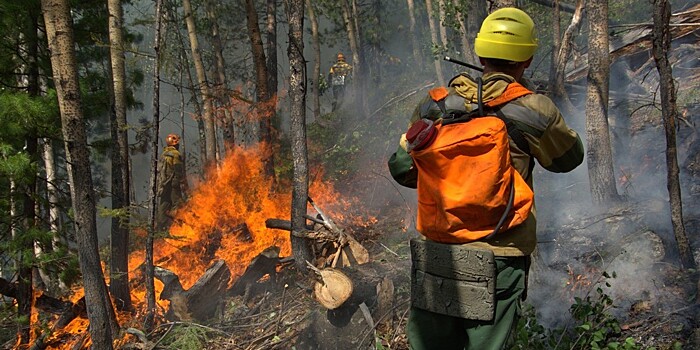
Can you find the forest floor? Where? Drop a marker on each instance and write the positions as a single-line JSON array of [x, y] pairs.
[[285, 315]]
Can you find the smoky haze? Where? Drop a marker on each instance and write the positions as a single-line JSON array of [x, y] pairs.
[[576, 237]]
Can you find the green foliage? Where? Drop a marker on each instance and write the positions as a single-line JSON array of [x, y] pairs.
[[185, 337], [593, 328]]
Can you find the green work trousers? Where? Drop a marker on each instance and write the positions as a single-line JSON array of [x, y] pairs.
[[428, 330]]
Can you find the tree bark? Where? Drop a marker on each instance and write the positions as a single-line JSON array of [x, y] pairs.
[[442, 29], [209, 128], [498, 4], [599, 150], [264, 105], [435, 42], [349, 10], [316, 75], [561, 56], [417, 57], [661, 41], [52, 194], [221, 84], [271, 34], [59, 32], [119, 262], [148, 263], [297, 96]]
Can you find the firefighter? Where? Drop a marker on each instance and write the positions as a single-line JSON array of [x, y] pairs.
[[505, 46], [339, 77], [172, 181]]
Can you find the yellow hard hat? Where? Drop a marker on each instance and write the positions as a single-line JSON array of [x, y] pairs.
[[507, 34]]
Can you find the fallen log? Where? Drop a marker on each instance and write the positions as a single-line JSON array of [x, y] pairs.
[[311, 232], [264, 264], [47, 303], [201, 301]]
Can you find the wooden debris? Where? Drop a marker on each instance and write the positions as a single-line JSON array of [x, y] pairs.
[[333, 287], [385, 301], [201, 301], [263, 264]]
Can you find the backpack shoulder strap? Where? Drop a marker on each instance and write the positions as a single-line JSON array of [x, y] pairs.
[[513, 91]]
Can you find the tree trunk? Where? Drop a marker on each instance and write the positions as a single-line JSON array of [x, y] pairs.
[[59, 32], [464, 38], [119, 262], [220, 70], [560, 57], [24, 290], [477, 13], [52, 194], [209, 128], [271, 34], [435, 42], [417, 57], [442, 29], [26, 189], [556, 44], [315, 78], [661, 47], [498, 4], [152, 224], [264, 106], [297, 88], [357, 58], [600, 165]]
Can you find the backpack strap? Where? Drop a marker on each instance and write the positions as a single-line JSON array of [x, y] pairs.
[[512, 91]]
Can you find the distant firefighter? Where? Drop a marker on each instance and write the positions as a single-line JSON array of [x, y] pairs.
[[339, 76], [172, 182]]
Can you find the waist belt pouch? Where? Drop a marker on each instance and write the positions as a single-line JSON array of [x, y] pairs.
[[453, 280]]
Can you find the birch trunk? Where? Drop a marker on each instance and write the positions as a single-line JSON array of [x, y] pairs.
[[221, 110], [59, 31], [435, 41], [209, 127], [315, 78], [119, 262], [357, 59], [417, 57]]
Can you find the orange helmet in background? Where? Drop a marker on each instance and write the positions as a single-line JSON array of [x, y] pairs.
[[341, 57], [172, 140]]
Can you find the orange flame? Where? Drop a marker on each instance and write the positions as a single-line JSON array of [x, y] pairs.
[[208, 227]]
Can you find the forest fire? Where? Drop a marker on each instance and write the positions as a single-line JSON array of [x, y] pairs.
[[207, 228]]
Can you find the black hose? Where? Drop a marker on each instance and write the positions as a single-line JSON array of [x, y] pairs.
[[462, 63]]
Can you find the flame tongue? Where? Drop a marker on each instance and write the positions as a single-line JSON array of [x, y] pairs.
[[224, 218]]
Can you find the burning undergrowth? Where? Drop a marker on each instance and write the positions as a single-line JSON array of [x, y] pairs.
[[223, 219]]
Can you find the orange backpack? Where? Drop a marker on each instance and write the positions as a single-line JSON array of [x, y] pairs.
[[468, 189]]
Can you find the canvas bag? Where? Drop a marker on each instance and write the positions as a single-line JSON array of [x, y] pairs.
[[467, 187]]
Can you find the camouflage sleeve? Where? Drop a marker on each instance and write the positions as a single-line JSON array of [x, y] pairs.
[[558, 148]]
